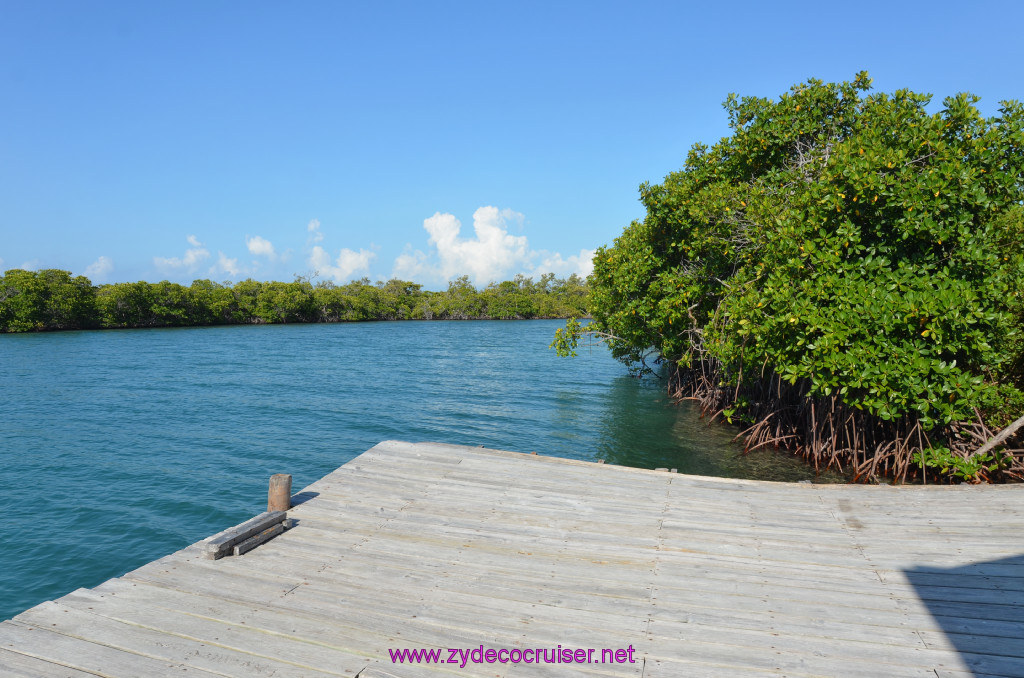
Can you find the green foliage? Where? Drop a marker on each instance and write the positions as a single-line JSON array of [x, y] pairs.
[[510, 299], [50, 299], [850, 242], [54, 300], [215, 303], [278, 302], [125, 304], [567, 339], [972, 468], [460, 302]]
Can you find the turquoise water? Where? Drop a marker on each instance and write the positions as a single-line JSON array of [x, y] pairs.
[[118, 447]]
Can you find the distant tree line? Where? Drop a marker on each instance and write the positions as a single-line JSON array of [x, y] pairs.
[[53, 299]]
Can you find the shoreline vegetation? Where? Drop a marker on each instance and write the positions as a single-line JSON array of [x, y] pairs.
[[843, 276], [54, 299]]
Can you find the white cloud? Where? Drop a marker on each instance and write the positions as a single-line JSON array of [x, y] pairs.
[[347, 262], [493, 254], [194, 256], [581, 264], [313, 228], [486, 257], [30, 265], [98, 270], [585, 262], [413, 265], [260, 247], [1, 264], [225, 265]]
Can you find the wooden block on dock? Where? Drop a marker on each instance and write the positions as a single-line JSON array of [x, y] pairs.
[[223, 543], [255, 540]]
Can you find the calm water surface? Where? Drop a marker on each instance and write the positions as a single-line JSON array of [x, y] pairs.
[[118, 447]]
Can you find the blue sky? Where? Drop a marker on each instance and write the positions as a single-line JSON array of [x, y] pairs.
[[151, 141]]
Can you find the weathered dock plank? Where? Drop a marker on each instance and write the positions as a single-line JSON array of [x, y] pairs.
[[432, 546], [17, 665]]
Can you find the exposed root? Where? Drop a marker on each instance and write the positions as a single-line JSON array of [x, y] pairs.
[[827, 433]]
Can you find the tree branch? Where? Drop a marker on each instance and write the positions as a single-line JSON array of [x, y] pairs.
[[1003, 435]]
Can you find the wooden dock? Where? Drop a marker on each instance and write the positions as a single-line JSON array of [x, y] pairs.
[[439, 546]]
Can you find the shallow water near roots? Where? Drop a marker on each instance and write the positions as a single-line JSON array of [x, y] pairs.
[[118, 447]]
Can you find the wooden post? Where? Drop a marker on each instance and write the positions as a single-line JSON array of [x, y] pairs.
[[279, 498]]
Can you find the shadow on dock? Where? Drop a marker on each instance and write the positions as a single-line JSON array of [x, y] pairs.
[[980, 608], [303, 497]]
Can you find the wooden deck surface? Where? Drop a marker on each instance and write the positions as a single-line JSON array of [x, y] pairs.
[[429, 545]]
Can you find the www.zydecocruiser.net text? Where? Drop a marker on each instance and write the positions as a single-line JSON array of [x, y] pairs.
[[530, 655]]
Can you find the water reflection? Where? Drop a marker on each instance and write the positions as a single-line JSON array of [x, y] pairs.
[[636, 415]]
